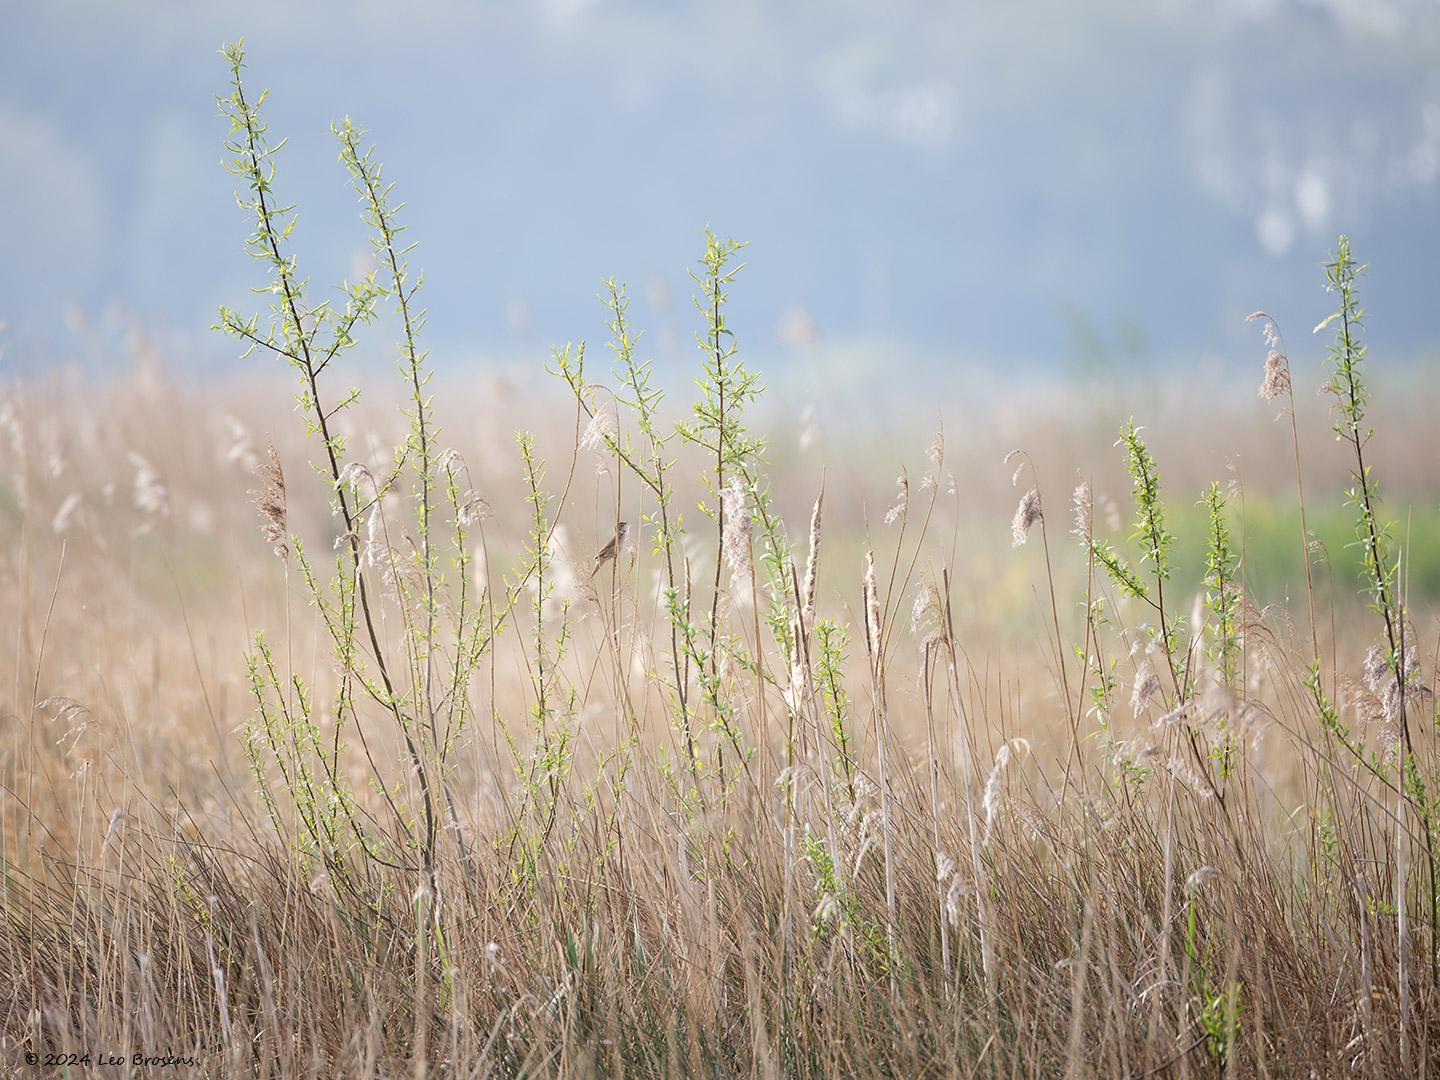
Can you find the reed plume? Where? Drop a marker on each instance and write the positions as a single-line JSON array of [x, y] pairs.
[[269, 502]]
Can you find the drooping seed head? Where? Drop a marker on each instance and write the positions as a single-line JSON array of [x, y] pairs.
[[1147, 685], [353, 474], [1277, 366], [1026, 515], [927, 616], [902, 500], [1277, 376], [599, 432], [990, 802], [1200, 878], [472, 508]]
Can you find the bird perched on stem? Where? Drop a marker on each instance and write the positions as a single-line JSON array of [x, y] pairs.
[[612, 547]]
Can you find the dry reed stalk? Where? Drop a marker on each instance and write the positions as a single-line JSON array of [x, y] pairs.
[[927, 672], [1028, 514], [1277, 381], [874, 640], [971, 775], [1402, 928], [821, 765]]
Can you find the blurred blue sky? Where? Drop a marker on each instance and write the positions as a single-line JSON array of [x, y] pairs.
[[1050, 183]]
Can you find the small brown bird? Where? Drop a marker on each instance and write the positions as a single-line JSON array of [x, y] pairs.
[[612, 547]]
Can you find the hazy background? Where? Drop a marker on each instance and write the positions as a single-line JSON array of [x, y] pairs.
[[1051, 185]]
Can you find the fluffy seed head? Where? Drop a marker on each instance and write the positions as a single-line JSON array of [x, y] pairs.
[[241, 450], [826, 911], [472, 508], [1375, 667], [353, 474], [10, 424], [1277, 376], [377, 547], [1277, 366], [269, 500], [1199, 878], [944, 866], [1380, 678], [1026, 515], [991, 800], [902, 500], [450, 461], [599, 432], [151, 495], [1083, 503], [935, 453], [735, 542], [872, 602], [927, 616], [954, 899], [65, 516], [812, 563], [1147, 685]]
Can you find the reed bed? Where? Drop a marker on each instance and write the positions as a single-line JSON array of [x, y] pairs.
[[639, 745]]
